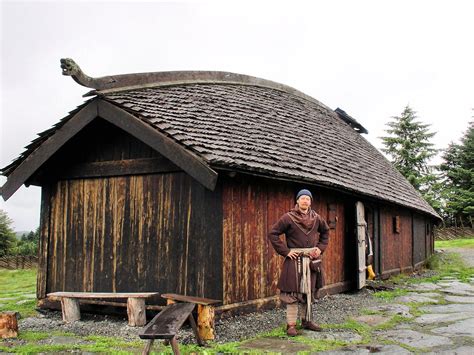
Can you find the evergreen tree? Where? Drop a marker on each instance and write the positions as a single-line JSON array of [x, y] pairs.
[[458, 169], [409, 147], [7, 235]]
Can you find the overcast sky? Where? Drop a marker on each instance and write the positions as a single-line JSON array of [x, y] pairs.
[[370, 58]]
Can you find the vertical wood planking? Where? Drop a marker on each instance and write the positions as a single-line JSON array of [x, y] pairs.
[[44, 242]]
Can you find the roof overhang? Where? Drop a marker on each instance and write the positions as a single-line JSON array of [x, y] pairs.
[[191, 163]]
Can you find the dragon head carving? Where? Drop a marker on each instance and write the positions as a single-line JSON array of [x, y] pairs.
[[69, 67]]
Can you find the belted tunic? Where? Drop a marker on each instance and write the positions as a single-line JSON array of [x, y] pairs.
[[297, 237]]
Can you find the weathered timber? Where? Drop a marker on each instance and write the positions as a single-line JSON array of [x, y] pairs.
[[95, 223], [205, 312], [190, 299], [115, 168], [103, 294], [8, 325], [205, 322], [48, 148], [70, 309], [135, 304], [166, 324], [42, 275], [182, 157], [136, 312]]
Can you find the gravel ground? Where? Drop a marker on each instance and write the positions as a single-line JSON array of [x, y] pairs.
[[330, 309]]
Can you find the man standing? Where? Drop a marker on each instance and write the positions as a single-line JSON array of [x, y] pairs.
[[307, 236]]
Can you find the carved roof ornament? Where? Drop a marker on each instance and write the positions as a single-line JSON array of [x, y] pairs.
[[70, 68]]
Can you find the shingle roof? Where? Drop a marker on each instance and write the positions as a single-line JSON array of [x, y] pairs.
[[265, 130], [271, 132]]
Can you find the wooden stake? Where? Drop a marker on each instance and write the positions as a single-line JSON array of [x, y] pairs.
[[71, 310], [206, 322], [8, 325], [136, 312]]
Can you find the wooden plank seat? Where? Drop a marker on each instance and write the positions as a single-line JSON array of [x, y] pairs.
[[165, 325], [135, 304], [205, 312]]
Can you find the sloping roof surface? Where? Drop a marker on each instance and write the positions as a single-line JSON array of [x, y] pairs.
[[265, 130], [270, 132]]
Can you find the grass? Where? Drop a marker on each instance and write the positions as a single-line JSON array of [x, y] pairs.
[[449, 264], [18, 291], [455, 243]]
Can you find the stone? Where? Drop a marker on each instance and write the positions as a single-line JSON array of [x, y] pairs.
[[459, 299], [420, 298], [458, 292], [283, 346], [441, 318], [368, 349], [449, 308], [415, 339], [463, 350], [372, 319], [425, 286], [391, 349], [344, 335], [460, 328], [393, 309]]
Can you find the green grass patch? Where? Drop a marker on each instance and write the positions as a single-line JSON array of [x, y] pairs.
[[105, 344], [455, 243], [449, 264], [16, 293]]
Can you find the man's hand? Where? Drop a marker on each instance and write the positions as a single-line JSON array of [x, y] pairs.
[[292, 255], [315, 253]]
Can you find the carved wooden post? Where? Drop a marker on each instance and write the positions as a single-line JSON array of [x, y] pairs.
[[205, 322], [136, 312], [8, 325]]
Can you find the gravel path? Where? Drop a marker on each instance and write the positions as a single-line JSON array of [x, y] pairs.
[[330, 309]]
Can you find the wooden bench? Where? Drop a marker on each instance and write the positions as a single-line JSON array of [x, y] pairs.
[[205, 312], [135, 304], [166, 324]]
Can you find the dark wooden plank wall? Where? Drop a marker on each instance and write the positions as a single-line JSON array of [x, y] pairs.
[[136, 233], [154, 232], [396, 247], [250, 207], [419, 238]]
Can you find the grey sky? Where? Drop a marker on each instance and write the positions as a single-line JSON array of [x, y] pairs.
[[371, 58]]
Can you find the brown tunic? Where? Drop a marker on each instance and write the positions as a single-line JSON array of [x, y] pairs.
[[296, 237]]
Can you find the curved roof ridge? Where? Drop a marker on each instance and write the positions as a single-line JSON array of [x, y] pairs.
[[135, 81]]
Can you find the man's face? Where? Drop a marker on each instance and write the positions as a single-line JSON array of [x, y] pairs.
[[304, 202]]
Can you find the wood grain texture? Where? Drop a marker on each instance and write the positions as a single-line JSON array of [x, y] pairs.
[[135, 233], [251, 206]]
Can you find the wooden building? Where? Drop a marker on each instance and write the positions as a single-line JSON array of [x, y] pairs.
[[170, 182]]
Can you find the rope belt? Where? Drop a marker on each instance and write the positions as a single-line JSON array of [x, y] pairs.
[[304, 273]]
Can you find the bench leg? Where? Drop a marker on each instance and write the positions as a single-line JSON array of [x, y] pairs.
[[70, 309], [206, 322], [174, 345], [195, 330], [148, 345], [136, 312]]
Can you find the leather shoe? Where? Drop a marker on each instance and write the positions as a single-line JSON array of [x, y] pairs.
[[311, 326], [291, 330]]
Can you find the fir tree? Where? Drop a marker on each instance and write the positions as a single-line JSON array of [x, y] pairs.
[[458, 169], [409, 148]]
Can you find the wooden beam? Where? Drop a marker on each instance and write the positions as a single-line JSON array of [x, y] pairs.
[[185, 159], [48, 148], [112, 168]]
